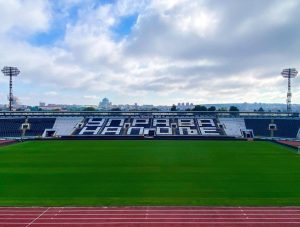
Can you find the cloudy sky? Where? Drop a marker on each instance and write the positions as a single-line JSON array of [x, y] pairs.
[[150, 51]]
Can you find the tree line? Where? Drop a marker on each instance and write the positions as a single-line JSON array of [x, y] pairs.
[[211, 108]]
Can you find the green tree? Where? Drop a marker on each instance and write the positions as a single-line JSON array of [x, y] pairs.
[[35, 108], [90, 108], [212, 108], [173, 108], [233, 108], [261, 109], [222, 109], [200, 108], [116, 109]]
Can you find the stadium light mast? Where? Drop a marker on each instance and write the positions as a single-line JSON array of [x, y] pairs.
[[10, 71], [289, 74]]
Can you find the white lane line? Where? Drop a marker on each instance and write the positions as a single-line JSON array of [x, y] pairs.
[[213, 214], [150, 210], [239, 214], [18, 214], [170, 206], [59, 212], [37, 217], [26, 212], [243, 212], [152, 218], [118, 223]]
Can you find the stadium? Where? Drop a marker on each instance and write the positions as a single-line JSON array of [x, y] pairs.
[[150, 168], [163, 168], [69, 162]]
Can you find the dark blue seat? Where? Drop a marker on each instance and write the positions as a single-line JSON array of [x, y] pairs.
[[38, 126], [260, 127], [11, 127], [286, 128]]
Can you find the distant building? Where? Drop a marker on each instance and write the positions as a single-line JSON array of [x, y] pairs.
[[16, 102], [185, 106], [17, 105], [42, 104], [105, 104]]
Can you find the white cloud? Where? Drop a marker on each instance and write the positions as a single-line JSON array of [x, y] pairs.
[[51, 93], [199, 51], [24, 17], [191, 17], [91, 97]]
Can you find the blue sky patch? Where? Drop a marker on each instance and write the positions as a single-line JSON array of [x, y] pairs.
[[124, 27]]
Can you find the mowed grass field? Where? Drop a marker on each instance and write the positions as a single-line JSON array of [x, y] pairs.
[[90, 173]]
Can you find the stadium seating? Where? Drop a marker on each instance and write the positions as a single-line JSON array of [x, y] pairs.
[[286, 128], [233, 126], [11, 127], [141, 122], [135, 131], [185, 126], [208, 127], [64, 126], [260, 127], [148, 126], [38, 126], [92, 126]]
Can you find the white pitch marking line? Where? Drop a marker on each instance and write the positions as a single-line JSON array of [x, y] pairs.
[[37, 217], [171, 210]]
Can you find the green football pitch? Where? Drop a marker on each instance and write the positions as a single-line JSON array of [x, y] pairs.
[[90, 173]]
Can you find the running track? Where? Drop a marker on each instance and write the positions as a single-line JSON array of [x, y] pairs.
[[149, 216]]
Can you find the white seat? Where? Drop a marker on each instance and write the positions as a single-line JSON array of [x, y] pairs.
[[233, 126], [65, 126]]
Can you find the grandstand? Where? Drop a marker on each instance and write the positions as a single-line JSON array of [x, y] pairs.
[[11, 126], [149, 125]]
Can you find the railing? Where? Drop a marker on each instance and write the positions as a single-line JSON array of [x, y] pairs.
[[150, 114]]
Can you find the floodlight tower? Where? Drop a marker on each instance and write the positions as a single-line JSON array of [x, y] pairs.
[[289, 74], [10, 71]]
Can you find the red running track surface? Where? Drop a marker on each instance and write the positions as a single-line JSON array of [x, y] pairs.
[[291, 143], [6, 142], [149, 216]]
